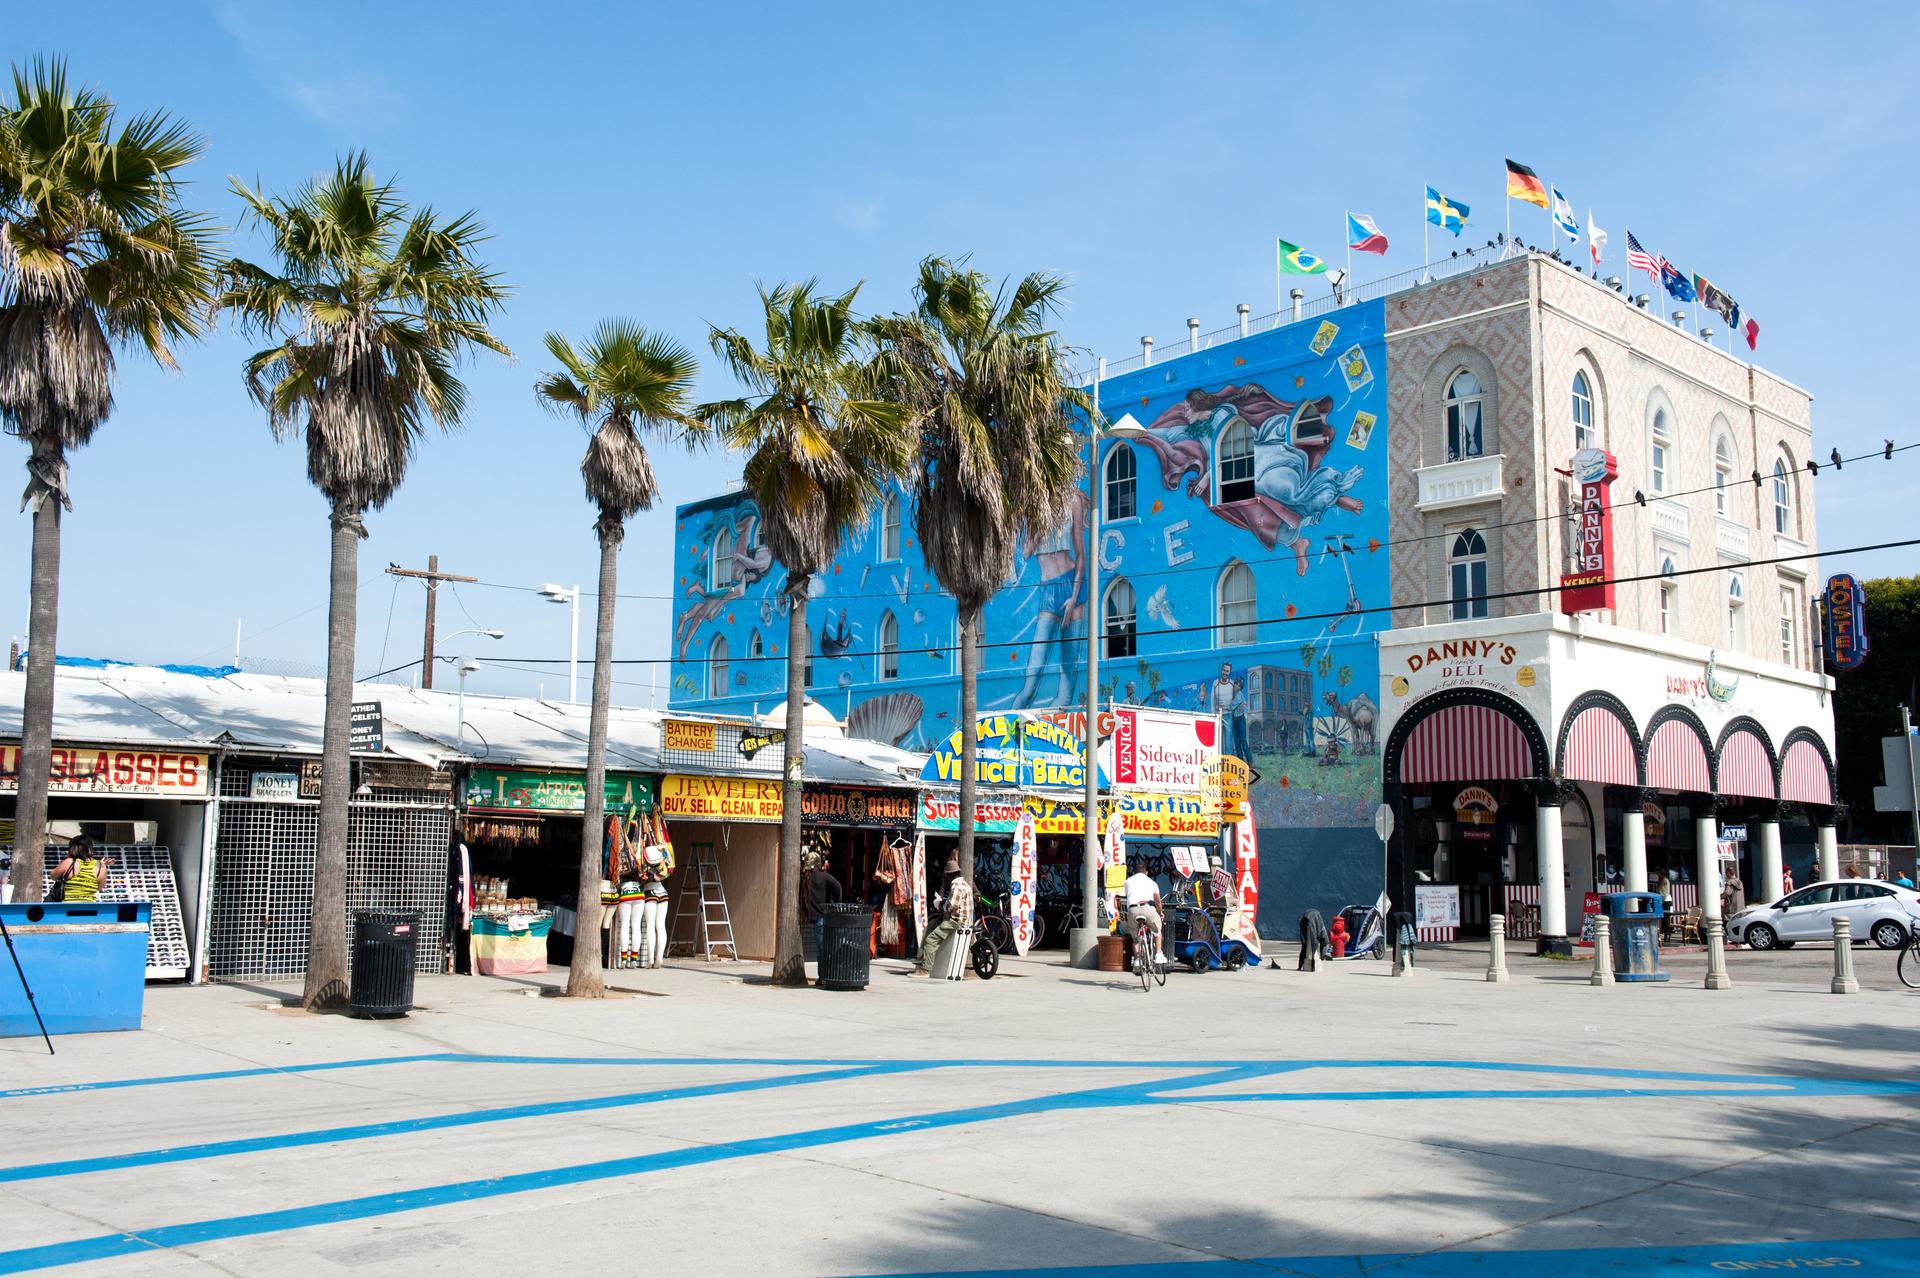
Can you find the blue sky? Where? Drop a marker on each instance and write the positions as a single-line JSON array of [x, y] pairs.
[[653, 161]]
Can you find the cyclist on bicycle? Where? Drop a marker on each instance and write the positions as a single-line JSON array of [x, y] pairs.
[[1143, 903]]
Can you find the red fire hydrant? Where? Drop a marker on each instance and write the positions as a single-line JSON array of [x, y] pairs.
[[1337, 934]]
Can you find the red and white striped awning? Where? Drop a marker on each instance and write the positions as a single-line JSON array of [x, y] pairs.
[[1599, 748], [1466, 743], [1745, 768], [1803, 774], [1676, 760]]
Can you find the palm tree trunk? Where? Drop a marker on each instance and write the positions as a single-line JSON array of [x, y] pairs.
[[36, 727], [326, 985], [969, 729], [789, 968], [583, 974]]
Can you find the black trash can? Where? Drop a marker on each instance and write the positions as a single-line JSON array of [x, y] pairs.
[[845, 947], [384, 943]]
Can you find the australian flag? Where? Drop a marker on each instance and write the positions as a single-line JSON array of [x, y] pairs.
[[1676, 283]]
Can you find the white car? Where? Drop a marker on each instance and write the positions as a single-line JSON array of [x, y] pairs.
[[1884, 913]]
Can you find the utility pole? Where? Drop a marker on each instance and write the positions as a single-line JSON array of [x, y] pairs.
[[433, 577]]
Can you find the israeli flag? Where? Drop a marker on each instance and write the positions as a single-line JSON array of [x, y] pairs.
[[1563, 215]]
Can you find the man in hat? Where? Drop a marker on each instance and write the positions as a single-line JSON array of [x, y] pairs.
[[959, 915], [818, 890]]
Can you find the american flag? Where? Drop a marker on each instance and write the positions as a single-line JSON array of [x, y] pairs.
[[1638, 259]]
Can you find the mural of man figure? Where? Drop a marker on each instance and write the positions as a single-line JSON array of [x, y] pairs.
[[1230, 703], [1057, 604]]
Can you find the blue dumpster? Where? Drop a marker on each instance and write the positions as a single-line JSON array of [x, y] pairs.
[[86, 962], [1633, 919]]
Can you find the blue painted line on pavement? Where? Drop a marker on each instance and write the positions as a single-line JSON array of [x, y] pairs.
[[1877, 1256], [816, 1062], [108, 1246], [434, 1122]]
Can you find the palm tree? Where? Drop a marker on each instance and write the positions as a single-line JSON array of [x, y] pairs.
[[370, 306], [97, 255], [1000, 447], [819, 457], [625, 380]]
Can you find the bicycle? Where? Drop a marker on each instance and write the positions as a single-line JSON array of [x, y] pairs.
[[1908, 964], [993, 917], [1144, 965]]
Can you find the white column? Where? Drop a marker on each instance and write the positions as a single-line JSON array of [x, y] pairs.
[[1551, 856], [1706, 874], [1633, 847], [1829, 852], [1766, 862]]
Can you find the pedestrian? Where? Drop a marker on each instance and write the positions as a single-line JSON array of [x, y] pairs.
[[82, 873], [958, 895], [818, 890], [1903, 879], [1733, 894], [1786, 879]]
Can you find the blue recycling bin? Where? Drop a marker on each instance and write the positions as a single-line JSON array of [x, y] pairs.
[[86, 962], [1633, 921]]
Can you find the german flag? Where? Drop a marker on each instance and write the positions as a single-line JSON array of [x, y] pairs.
[[1524, 184]]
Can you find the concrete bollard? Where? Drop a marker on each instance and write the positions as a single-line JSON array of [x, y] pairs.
[[1497, 948], [1602, 952], [1843, 982], [1717, 978]]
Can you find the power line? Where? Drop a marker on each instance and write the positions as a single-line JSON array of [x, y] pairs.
[[1639, 501], [1276, 621]]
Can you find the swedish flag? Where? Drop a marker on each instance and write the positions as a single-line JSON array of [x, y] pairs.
[[1295, 260], [1448, 215]]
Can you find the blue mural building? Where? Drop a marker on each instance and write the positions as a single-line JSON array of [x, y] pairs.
[[1240, 541]]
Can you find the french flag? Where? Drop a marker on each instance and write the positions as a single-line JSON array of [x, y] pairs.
[[1363, 235]]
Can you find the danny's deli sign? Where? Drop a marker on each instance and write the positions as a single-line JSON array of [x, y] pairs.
[[1588, 585], [161, 774]]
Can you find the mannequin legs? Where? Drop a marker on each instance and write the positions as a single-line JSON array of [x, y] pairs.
[[653, 935]]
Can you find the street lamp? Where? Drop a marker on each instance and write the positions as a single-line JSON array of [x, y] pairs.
[[491, 634], [1084, 938], [463, 667], [561, 595]]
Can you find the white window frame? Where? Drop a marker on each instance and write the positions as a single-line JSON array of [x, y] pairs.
[[1736, 612], [1120, 629], [1466, 601], [1783, 511], [1582, 408], [886, 648], [1237, 614], [1236, 431], [721, 574], [1789, 625], [1669, 617], [719, 666], [1723, 463], [1454, 417], [890, 528], [1660, 451], [1117, 488]]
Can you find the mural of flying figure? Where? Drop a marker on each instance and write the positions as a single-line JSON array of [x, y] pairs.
[[750, 561], [1292, 488]]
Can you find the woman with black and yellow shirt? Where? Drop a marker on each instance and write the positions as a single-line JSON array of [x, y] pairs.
[[82, 870]]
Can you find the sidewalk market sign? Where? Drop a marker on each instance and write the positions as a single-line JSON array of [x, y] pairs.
[[557, 792], [133, 771], [1019, 751], [1162, 749], [747, 799]]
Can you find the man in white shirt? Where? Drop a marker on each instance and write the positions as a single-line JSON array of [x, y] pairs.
[[1143, 902]]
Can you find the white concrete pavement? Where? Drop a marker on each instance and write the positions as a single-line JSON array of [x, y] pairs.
[[1267, 1121]]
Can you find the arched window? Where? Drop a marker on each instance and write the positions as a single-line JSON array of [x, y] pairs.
[[1233, 462], [887, 647], [1662, 447], [1722, 475], [719, 667], [1119, 487], [723, 558], [1736, 612], [1782, 499], [1309, 422], [1237, 608], [1467, 575], [1120, 623], [890, 527], [1583, 436], [1465, 408], [1669, 595], [756, 647]]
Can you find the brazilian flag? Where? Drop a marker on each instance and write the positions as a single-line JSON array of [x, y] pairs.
[[1295, 260]]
